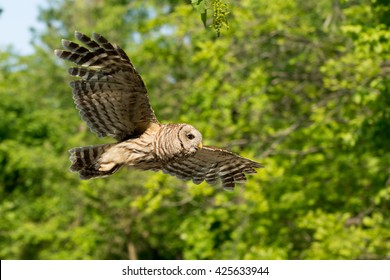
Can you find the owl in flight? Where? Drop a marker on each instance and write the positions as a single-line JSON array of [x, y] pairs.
[[112, 100]]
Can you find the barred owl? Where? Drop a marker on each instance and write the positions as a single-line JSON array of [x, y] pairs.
[[112, 99]]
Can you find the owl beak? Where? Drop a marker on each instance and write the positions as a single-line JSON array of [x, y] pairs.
[[200, 146]]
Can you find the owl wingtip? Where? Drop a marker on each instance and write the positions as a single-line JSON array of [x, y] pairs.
[[58, 53], [78, 35], [65, 43], [257, 165], [98, 37]]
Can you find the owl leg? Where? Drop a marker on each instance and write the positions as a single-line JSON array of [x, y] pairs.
[[87, 161]]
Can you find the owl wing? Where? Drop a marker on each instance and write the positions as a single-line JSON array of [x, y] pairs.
[[211, 165], [110, 94]]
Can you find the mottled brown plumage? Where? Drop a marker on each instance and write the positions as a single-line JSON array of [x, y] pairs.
[[112, 99]]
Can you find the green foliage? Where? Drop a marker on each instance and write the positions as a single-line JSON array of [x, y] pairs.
[[219, 10], [301, 86]]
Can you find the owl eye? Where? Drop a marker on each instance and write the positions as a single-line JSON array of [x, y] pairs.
[[190, 136]]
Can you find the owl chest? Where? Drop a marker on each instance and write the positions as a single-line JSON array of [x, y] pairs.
[[133, 152]]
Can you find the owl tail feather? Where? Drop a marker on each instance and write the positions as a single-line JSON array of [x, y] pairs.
[[86, 161]]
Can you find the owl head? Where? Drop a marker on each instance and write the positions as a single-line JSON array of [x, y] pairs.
[[177, 140], [190, 139]]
